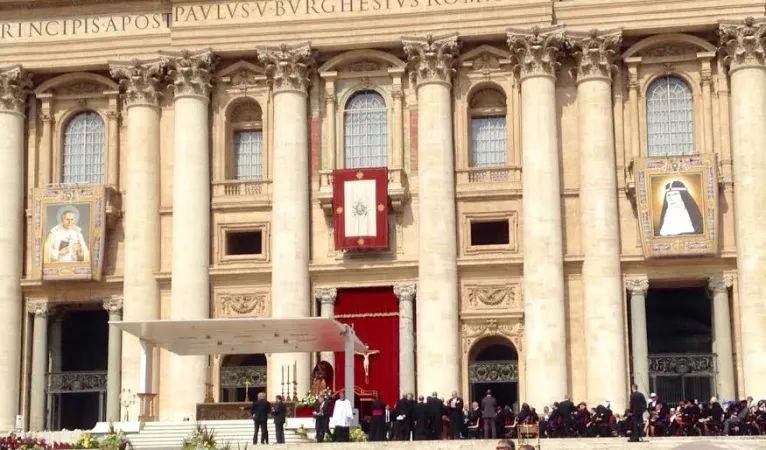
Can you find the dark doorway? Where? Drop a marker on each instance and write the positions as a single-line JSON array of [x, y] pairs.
[[242, 377], [494, 365], [680, 341], [84, 351]]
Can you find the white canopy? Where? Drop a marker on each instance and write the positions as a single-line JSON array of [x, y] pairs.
[[243, 336]]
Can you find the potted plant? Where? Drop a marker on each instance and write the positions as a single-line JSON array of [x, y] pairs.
[[200, 439], [86, 440], [114, 440]]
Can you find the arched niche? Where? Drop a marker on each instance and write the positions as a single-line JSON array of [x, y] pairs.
[[375, 59], [493, 365], [77, 82]]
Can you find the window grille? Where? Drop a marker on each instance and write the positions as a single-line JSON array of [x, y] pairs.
[[248, 155], [488, 142], [84, 148], [669, 118], [366, 131]]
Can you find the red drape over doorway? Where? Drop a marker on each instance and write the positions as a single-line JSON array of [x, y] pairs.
[[374, 315]]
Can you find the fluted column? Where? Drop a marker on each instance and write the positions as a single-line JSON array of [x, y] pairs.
[[607, 376], [140, 81], [406, 295], [189, 76], [745, 48], [14, 85], [37, 411], [638, 335], [326, 297], [722, 342], [536, 52], [438, 347], [113, 306], [288, 69]]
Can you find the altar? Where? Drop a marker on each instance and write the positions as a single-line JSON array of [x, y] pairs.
[[233, 410]]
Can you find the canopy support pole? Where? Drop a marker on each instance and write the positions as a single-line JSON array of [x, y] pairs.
[[349, 364]]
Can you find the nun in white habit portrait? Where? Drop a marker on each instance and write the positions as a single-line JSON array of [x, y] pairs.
[[680, 213]]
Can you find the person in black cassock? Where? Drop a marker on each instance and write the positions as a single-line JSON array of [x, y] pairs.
[[403, 418], [637, 409], [434, 406], [322, 416], [420, 419], [378, 420], [279, 412], [260, 412]]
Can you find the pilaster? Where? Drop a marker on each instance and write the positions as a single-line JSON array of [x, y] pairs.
[[406, 295]]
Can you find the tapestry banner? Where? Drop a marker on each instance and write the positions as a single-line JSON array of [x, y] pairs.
[[360, 208]]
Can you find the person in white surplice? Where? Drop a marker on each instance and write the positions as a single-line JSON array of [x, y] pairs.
[[341, 419], [65, 242]]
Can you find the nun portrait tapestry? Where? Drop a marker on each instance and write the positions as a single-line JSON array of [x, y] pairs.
[[677, 203]]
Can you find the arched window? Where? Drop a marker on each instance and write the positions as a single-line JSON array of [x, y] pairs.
[[488, 129], [84, 148], [669, 118], [247, 141], [366, 131]]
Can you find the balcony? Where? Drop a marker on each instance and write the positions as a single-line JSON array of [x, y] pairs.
[[398, 189], [242, 194], [483, 181]]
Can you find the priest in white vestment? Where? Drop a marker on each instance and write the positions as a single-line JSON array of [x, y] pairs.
[[342, 416], [65, 242]]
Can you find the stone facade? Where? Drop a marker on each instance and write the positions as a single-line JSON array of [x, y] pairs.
[[173, 84]]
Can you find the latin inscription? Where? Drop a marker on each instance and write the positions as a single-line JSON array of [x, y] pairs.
[[188, 15]]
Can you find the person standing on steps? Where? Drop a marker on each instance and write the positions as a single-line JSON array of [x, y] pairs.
[[260, 412], [488, 412], [279, 413], [637, 409]]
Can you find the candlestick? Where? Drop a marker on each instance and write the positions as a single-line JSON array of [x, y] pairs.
[[283, 381], [295, 381]]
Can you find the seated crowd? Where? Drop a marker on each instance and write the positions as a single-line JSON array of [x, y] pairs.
[[433, 418]]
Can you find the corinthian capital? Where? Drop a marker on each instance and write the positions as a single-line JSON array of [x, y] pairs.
[[140, 80], [536, 51], [405, 292], [743, 43], [288, 67], [431, 58], [720, 284], [637, 286], [39, 308], [15, 83], [113, 304], [595, 53], [326, 295], [190, 73]]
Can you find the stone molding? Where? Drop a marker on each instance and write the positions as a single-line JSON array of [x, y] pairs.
[[720, 284], [595, 53], [15, 85], [536, 51], [431, 59], [251, 304], [473, 331], [190, 73], [637, 286], [40, 308], [743, 43], [113, 304], [493, 296], [326, 296], [405, 292], [140, 81], [288, 67]]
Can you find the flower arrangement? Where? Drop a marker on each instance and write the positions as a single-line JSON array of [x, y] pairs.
[[357, 435], [309, 399], [86, 440], [13, 442], [200, 438], [115, 440], [301, 431]]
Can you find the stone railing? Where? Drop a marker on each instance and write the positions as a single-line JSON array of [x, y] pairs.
[[75, 382], [488, 178], [398, 190], [682, 363], [242, 193]]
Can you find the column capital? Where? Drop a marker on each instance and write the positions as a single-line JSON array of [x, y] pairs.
[[720, 284], [288, 67], [113, 304], [637, 286], [536, 51], [190, 73], [405, 292], [15, 83], [595, 53], [743, 43], [326, 296], [431, 59], [140, 80], [40, 307]]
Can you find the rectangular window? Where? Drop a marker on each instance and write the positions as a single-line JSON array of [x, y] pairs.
[[490, 232], [244, 243], [488, 147], [248, 155]]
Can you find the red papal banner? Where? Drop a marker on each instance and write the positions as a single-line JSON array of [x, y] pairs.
[[360, 208]]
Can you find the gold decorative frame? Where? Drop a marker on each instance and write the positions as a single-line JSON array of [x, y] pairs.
[[88, 200], [699, 176]]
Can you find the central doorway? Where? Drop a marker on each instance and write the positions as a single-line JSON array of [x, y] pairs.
[[493, 364]]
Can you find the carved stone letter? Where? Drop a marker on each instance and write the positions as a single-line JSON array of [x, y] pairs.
[[431, 59], [536, 51], [743, 43], [15, 83], [595, 53], [190, 73], [288, 67], [140, 80]]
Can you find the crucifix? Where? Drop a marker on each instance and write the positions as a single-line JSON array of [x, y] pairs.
[[366, 363]]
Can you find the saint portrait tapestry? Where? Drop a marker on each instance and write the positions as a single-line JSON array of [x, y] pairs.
[[360, 208], [677, 200], [69, 232]]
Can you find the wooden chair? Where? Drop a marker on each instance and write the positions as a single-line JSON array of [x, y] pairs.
[[529, 433], [473, 430]]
